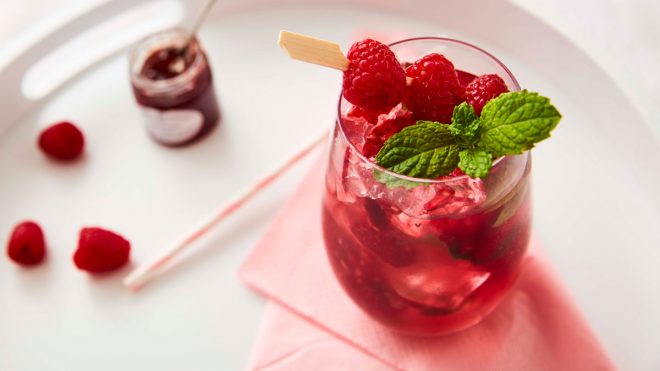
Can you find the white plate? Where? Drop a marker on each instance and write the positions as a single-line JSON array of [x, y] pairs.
[[596, 182]]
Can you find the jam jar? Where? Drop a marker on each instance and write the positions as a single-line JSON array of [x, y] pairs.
[[173, 85]]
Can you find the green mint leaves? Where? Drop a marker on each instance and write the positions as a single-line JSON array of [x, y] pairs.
[[424, 150], [465, 125], [475, 162], [509, 124], [513, 122]]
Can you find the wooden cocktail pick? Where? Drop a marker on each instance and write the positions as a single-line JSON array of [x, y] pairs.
[[310, 49], [316, 51]]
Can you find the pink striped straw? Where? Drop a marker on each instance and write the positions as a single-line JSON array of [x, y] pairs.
[[147, 271]]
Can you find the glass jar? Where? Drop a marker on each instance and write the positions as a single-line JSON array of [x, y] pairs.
[[424, 256], [174, 87]]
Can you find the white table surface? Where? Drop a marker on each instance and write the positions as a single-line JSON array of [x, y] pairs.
[[622, 36], [619, 36]]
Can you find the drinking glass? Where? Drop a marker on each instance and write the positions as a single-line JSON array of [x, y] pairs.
[[425, 256]]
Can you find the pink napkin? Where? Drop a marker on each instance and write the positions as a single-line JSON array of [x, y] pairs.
[[313, 325]]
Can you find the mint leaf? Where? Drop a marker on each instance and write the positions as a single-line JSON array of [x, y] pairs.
[[513, 122], [509, 124], [424, 150], [475, 162], [465, 125], [393, 181]]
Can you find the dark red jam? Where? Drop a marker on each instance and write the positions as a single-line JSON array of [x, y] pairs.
[[166, 63], [174, 86]]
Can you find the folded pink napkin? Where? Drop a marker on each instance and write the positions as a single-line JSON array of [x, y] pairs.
[[315, 326]]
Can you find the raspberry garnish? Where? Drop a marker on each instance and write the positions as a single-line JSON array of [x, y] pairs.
[[464, 78], [482, 89], [387, 126], [374, 79], [457, 172], [100, 250], [26, 244], [356, 112], [62, 141], [434, 90]]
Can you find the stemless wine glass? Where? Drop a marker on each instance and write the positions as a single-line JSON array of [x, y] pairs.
[[425, 256]]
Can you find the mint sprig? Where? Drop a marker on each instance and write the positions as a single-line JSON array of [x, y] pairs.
[[475, 162], [424, 150], [513, 122], [465, 125], [509, 124]]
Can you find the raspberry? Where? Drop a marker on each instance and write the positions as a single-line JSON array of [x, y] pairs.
[[464, 78], [100, 250], [374, 79], [379, 212], [387, 126], [356, 112], [482, 89], [62, 141], [26, 244], [455, 173], [434, 90]]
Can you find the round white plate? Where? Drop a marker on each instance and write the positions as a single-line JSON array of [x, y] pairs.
[[596, 200]]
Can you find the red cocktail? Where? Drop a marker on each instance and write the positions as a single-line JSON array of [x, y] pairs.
[[424, 256]]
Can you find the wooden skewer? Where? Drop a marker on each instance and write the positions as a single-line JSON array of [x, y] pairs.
[[310, 49], [144, 273], [316, 51]]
